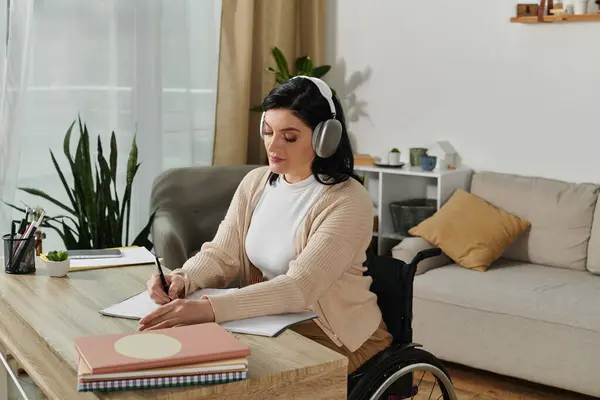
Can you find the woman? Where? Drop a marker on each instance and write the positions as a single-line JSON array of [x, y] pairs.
[[296, 233]]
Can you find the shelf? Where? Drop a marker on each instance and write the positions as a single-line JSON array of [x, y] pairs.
[[553, 18], [408, 170]]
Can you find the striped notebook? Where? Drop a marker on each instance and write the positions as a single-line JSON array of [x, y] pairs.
[[161, 382]]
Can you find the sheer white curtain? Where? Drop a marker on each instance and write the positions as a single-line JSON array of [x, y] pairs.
[[138, 67]]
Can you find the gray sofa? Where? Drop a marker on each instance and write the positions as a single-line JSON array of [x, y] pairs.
[[535, 314], [190, 204]]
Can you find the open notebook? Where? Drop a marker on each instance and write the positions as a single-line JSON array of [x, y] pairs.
[[140, 304]]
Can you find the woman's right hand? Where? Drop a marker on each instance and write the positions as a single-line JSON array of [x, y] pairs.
[[157, 293]]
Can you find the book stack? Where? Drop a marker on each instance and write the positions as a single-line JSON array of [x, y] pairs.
[[363, 159], [181, 356]]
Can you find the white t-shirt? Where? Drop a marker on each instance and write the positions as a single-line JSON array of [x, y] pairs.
[[279, 212]]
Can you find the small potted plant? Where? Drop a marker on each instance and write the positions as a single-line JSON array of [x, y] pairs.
[[394, 157], [57, 263]]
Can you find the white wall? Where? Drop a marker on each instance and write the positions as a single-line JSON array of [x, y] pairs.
[[510, 97]]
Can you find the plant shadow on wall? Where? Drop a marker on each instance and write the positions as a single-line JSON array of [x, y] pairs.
[[98, 218], [354, 108]]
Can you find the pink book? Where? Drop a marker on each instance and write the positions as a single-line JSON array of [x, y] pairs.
[[159, 348]]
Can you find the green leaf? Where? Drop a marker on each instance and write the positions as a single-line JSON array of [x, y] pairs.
[[257, 108], [142, 237], [69, 239], [132, 162], [61, 217], [127, 202], [60, 233], [320, 71], [57, 255], [280, 78], [301, 65], [105, 170], [39, 193], [15, 207], [63, 180], [271, 70], [307, 67], [86, 194], [67, 142], [113, 169], [281, 62], [113, 157]]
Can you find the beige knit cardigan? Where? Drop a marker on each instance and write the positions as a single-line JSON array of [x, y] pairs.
[[326, 276]]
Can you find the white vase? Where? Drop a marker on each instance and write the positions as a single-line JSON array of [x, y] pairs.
[[58, 268], [393, 158], [581, 6]]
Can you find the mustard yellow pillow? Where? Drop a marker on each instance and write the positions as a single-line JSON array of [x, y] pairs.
[[471, 231]]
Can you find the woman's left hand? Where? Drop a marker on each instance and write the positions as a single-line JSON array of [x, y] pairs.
[[178, 312]]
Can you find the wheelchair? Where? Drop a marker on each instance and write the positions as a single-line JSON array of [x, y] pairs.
[[398, 371]]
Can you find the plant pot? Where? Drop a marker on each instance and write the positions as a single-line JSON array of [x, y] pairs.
[[58, 268], [394, 158]]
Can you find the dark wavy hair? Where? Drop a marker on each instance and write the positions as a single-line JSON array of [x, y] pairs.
[[303, 99]]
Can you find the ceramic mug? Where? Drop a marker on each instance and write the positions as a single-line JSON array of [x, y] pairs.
[[428, 162]]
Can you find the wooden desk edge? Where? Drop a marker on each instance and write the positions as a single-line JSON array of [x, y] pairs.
[[23, 343], [38, 359]]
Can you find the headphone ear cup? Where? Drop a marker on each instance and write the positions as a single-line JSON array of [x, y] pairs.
[[326, 137]]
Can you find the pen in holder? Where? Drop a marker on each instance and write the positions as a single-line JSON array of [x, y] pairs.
[[19, 255]]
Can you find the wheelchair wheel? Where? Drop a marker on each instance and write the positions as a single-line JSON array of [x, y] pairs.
[[417, 375]]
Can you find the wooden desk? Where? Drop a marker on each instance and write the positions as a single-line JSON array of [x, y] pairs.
[[41, 315]]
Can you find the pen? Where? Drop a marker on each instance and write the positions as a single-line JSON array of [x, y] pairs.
[[162, 277], [27, 239]]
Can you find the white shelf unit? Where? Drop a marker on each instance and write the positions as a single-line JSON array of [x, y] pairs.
[[387, 185]]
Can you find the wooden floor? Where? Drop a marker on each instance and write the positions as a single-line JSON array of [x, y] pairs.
[[470, 384], [474, 384]]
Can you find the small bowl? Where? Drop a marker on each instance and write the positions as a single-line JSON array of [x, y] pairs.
[[428, 163], [58, 268]]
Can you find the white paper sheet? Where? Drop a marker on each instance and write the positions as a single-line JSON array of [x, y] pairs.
[[139, 305], [131, 256]]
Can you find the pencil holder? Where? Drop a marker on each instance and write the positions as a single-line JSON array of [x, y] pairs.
[[19, 255]]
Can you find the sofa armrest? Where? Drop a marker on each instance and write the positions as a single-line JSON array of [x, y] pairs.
[[408, 248], [171, 238]]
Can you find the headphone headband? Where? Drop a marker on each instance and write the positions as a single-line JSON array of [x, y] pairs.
[[327, 134], [324, 89]]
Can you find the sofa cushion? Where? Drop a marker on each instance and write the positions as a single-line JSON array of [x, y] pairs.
[[593, 261], [553, 354], [553, 295], [470, 231], [560, 214]]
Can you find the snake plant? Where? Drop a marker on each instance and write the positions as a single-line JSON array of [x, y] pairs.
[[96, 218]]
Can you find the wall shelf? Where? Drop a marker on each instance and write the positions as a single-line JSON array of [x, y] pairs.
[[553, 18], [393, 184]]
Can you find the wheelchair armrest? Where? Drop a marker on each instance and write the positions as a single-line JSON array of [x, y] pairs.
[[408, 248]]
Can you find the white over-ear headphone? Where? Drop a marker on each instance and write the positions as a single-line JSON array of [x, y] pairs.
[[327, 134]]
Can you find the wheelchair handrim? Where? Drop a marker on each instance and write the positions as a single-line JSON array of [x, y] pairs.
[[438, 373]]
